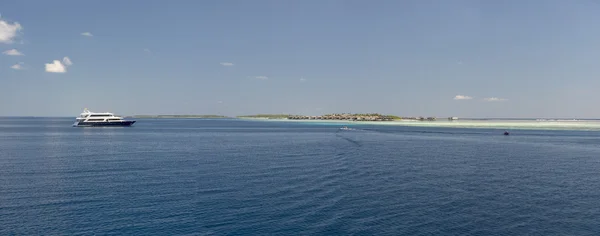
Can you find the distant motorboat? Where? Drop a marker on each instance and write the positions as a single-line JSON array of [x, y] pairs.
[[506, 133], [346, 128]]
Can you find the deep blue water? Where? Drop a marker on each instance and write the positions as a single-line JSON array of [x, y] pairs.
[[235, 177]]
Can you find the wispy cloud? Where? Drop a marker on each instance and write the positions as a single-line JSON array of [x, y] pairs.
[[67, 61], [57, 66], [18, 66], [88, 34], [148, 52], [302, 79], [226, 64], [494, 99], [262, 77], [8, 31], [12, 52], [462, 97]]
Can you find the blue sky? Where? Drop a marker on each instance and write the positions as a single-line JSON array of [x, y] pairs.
[[410, 58]]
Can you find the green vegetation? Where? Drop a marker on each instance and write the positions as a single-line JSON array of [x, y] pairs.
[[393, 117], [266, 116], [180, 116]]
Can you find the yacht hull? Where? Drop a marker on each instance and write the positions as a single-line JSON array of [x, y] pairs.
[[104, 123]]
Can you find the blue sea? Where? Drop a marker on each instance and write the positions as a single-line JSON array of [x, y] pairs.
[[240, 177]]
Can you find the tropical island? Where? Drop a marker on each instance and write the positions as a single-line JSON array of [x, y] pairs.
[[180, 116], [341, 116], [336, 116]]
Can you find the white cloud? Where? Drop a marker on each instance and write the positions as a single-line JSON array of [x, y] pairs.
[[226, 64], [302, 79], [8, 31], [261, 77], [88, 34], [494, 99], [18, 66], [462, 97], [12, 52], [57, 66]]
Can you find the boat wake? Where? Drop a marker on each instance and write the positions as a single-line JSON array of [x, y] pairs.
[[345, 128]]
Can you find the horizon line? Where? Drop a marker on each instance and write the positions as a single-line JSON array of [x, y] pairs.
[[226, 116]]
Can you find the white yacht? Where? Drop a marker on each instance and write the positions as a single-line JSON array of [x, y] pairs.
[[88, 118]]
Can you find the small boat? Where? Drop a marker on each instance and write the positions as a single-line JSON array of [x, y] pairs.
[[88, 118], [346, 128], [506, 133]]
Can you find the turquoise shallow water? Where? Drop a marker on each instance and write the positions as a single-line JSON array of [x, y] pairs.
[[235, 177]]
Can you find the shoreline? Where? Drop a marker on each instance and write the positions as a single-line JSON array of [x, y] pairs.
[[514, 124]]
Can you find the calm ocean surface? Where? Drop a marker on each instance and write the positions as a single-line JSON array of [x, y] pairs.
[[236, 177]]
